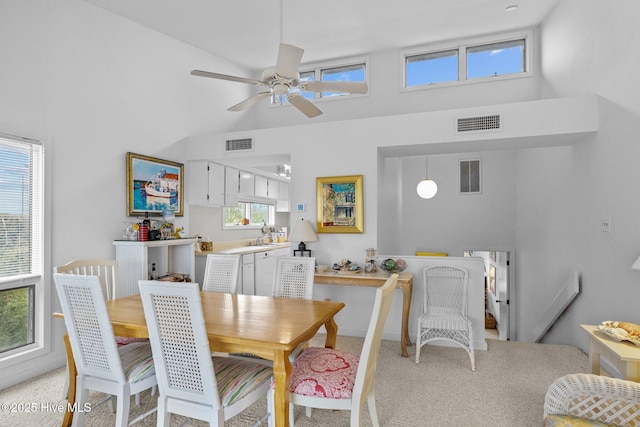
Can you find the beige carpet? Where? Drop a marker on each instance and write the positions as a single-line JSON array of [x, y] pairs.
[[507, 389]]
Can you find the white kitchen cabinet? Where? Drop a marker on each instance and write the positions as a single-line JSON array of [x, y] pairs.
[[135, 259], [282, 204], [212, 184], [261, 186], [246, 183], [231, 185], [265, 269], [273, 188], [246, 284]]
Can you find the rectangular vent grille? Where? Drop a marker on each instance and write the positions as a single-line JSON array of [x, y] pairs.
[[474, 124], [244, 144]]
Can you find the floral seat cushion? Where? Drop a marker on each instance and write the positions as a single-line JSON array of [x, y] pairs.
[[324, 372]]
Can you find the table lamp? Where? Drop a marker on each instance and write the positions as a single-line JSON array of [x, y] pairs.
[[303, 232]]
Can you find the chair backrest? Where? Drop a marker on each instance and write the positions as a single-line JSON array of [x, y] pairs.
[[105, 269], [445, 290], [365, 377], [294, 277], [221, 273], [179, 341], [93, 344]]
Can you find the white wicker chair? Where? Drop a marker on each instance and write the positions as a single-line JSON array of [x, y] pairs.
[[191, 382], [294, 277], [444, 309], [598, 398], [101, 364], [348, 380], [221, 273]]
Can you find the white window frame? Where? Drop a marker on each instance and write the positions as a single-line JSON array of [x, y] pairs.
[[317, 68], [462, 46], [42, 301], [272, 214]]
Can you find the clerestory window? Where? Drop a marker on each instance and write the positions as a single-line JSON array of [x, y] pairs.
[[447, 65]]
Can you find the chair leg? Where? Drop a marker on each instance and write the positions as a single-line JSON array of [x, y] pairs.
[[122, 412], [418, 345], [164, 417], [82, 395], [373, 413], [270, 409]]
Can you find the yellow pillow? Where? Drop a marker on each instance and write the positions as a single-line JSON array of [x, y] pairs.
[[569, 421]]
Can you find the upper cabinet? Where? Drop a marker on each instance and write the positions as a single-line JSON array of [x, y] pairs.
[[246, 183], [282, 204], [261, 186], [212, 184]]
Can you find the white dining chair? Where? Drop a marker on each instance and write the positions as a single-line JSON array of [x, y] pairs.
[[294, 277], [101, 364], [191, 382], [221, 273], [444, 309], [107, 271], [325, 378]]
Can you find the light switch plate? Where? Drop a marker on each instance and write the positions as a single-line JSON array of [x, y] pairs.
[[606, 225]]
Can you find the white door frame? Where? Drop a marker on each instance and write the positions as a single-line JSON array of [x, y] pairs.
[[511, 279]]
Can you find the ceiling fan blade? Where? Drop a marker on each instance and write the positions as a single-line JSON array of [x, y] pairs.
[[250, 101], [340, 86], [289, 57], [304, 105], [227, 77]]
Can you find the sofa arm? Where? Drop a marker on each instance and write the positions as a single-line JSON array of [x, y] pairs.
[[594, 397]]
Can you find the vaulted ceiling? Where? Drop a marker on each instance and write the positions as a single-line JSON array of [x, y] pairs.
[[248, 32]]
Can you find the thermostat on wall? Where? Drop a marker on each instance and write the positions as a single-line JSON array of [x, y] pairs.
[[300, 207]]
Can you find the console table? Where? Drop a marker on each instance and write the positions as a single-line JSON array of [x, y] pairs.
[[623, 355], [405, 282]]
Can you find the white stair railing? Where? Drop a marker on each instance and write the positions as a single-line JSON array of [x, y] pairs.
[[561, 301]]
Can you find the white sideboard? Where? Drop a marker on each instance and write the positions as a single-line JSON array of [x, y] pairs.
[[135, 260]]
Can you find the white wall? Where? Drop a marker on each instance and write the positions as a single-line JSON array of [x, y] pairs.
[[586, 49], [96, 86]]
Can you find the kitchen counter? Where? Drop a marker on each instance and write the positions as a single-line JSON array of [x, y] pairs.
[[241, 250]]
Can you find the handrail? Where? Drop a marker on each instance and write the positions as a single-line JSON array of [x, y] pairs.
[[563, 298]]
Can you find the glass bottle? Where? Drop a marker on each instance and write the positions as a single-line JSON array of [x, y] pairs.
[[370, 261]]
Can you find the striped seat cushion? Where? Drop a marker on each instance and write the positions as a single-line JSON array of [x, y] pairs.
[[124, 340], [137, 361], [236, 377], [324, 372]]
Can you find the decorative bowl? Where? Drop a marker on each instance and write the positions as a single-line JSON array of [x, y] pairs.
[[393, 265]]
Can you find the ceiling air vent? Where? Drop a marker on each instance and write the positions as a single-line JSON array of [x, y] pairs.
[[244, 144], [479, 123]]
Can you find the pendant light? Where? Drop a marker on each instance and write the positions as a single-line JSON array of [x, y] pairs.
[[427, 188]]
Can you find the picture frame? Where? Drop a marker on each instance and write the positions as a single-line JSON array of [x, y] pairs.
[[154, 186], [340, 207]]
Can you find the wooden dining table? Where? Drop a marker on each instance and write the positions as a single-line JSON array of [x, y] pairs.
[[267, 327]]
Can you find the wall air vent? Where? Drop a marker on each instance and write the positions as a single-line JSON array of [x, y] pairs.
[[233, 145], [479, 123]]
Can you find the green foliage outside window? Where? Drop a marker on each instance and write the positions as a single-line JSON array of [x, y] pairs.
[[15, 318]]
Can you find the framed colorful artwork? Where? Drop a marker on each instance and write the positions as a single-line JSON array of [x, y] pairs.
[[340, 204], [154, 186]]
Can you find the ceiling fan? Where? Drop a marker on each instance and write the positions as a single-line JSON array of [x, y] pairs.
[[283, 79]]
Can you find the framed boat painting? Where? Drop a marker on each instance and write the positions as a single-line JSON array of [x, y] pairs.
[[154, 186], [339, 204]]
